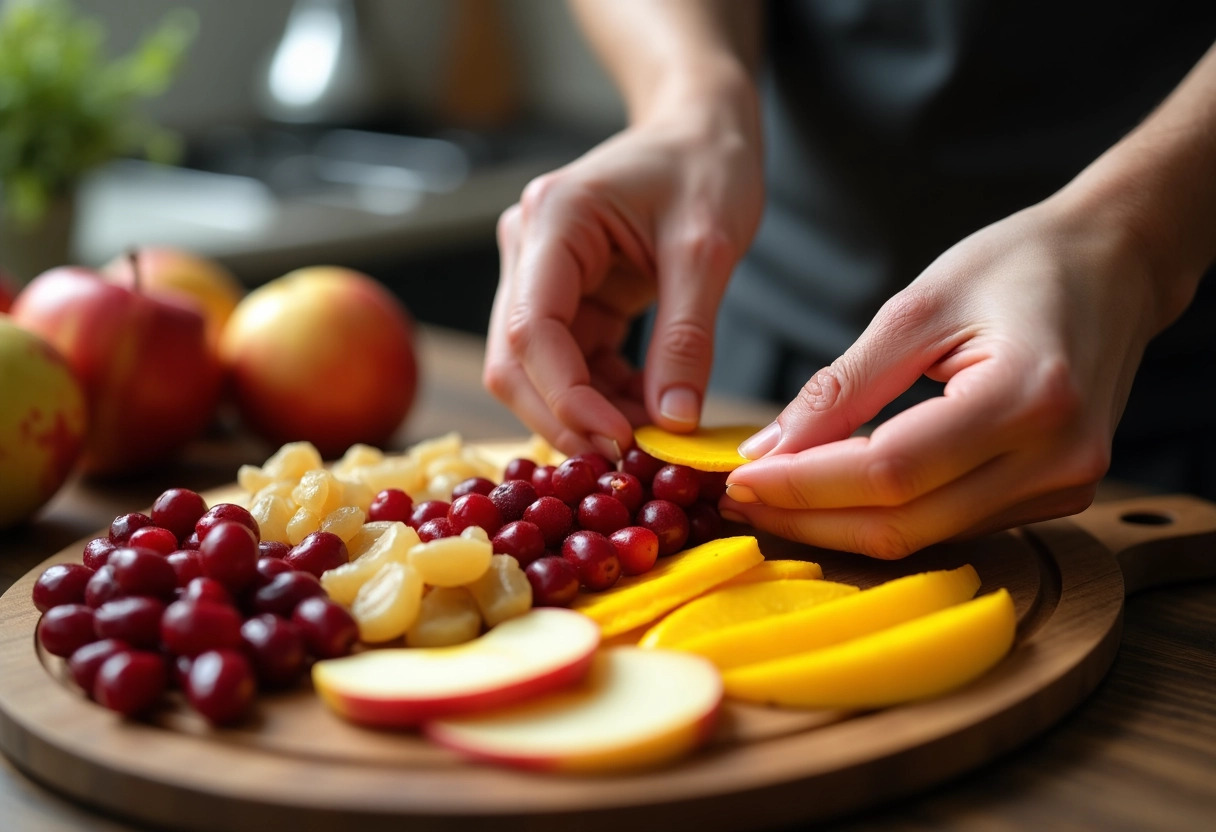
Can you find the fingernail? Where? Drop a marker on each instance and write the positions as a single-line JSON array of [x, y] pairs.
[[760, 443], [741, 493], [732, 516], [680, 404], [610, 448]]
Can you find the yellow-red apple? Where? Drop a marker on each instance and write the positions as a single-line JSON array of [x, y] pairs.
[[42, 422], [322, 354], [8, 291], [161, 271], [151, 382], [545, 649]]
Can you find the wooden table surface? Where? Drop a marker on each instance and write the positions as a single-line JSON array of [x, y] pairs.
[[1139, 754]]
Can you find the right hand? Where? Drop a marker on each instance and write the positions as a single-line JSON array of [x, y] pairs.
[[661, 211]]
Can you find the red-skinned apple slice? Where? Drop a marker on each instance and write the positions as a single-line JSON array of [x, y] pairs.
[[538, 652], [635, 709]]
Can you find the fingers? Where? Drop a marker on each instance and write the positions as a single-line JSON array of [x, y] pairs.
[[504, 373], [913, 453], [1059, 503], [531, 410], [507, 380], [1007, 444], [600, 323], [619, 381], [554, 251], [907, 337], [694, 267], [986, 499], [584, 252]]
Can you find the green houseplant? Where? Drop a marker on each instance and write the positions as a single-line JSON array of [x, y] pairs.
[[67, 106]]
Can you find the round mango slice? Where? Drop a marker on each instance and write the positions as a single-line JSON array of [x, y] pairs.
[[705, 449]]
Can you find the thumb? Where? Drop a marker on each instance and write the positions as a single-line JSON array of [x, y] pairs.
[[893, 352], [693, 270]]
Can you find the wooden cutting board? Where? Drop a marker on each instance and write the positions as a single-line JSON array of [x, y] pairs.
[[296, 766]]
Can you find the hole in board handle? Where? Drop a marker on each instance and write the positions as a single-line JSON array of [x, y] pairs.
[[1146, 518]]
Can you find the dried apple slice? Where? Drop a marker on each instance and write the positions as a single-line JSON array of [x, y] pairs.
[[343, 582], [387, 605], [836, 621], [728, 606], [635, 709], [640, 599], [925, 657], [448, 615], [706, 449]]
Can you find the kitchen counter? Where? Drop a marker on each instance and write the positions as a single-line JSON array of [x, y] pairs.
[[1140, 753], [323, 199]]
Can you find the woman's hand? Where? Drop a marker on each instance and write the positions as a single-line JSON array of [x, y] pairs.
[[662, 211], [1036, 325]]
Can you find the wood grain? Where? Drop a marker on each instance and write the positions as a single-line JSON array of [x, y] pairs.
[[300, 765]]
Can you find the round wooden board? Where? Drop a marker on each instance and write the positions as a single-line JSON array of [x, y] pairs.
[[299, 767]]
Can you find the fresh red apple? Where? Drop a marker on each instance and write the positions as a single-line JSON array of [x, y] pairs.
[[150, 380], [322, 354], [42, 422], [8, 291], [163, 271], [542, 650], [636, 708]]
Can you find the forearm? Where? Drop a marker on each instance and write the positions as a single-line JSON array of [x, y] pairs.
[[669, 55], [1158, 188]]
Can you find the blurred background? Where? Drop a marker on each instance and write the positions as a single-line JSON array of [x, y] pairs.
[[385, 135]]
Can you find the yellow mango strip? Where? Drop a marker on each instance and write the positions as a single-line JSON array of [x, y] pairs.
[[727, 606], [640, 599], [706, 449], [835, 621], [778, 570], [925, 657], [630, 638]]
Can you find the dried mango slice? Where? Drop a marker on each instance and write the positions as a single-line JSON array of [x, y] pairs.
[[925, 657], [640, 599], [727, 606], [706, 449], [836, 621], [778, 570], [629, 638]]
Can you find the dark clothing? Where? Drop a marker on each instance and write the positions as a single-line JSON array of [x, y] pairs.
[[896, 128]]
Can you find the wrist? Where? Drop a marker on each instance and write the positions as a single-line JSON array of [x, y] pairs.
[[1156, 190], [713, 97], [1132, 211], [697, 56]]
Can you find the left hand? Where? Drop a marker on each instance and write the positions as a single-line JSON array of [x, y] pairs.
[[1036, 324]]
